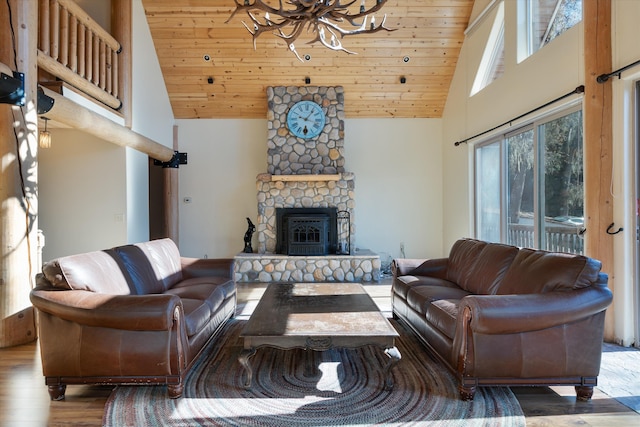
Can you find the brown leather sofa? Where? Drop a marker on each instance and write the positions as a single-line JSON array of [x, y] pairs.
[[133, 314], [499, 315]]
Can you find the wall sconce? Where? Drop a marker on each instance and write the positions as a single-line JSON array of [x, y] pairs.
[[403, 79], [44, 137], [307, 80]]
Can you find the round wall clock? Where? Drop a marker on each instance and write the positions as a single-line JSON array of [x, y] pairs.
[[305, 119]]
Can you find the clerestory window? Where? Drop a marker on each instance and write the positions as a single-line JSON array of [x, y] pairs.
[[544, 20], [492, 64]]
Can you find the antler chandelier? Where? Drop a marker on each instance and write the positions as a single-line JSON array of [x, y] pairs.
[[321, 17]]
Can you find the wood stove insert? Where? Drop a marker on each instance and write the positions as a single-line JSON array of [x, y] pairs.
[[306, 231]]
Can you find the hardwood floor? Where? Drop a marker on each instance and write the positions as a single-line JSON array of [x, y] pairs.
[[24, 400]]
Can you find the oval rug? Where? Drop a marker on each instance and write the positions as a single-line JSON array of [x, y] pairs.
[[340, 387]]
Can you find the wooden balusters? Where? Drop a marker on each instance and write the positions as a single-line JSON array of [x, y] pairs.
[[83, 53]]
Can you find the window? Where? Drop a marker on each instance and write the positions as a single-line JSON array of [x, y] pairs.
[[544, 20], [533, 195], [492, 64]]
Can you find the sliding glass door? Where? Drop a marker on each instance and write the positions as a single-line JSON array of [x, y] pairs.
[[533, 195]]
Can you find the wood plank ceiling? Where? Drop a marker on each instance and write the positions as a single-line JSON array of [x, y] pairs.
[[424, 50]]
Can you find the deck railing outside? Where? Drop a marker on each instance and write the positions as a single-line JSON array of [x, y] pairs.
[[75, 49], [557, 238]]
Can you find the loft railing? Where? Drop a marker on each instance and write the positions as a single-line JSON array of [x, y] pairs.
[[75, 49]]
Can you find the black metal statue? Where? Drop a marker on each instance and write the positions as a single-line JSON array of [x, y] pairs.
[[247, 237]]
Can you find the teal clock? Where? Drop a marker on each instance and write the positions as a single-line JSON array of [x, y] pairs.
[[305, 119]]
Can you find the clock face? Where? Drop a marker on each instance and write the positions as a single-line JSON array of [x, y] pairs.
[[305, 119]]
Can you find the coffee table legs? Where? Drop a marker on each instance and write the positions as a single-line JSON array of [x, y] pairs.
[[394, 357], [244, 361]]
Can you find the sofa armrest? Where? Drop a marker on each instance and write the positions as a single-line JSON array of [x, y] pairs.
[[435, 267], [506, 314], [154, 312], [207, 267]]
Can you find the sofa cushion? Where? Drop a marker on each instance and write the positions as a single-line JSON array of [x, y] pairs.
[[488, 270], [438, 305], [402, 284], [462, 256], [537, 271], [211, 294], [420, 298], [443, 315], [154, 266], [98, 271], [197, 314], [165, 259]]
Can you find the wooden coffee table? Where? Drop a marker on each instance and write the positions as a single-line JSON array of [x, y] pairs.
[[318, 317]]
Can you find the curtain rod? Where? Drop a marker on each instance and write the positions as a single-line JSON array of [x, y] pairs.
[[605, 77], [579, 89]]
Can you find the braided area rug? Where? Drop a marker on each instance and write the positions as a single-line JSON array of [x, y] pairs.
[[347, 388]]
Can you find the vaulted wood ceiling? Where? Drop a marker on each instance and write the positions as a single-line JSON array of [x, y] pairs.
[[424, 50]]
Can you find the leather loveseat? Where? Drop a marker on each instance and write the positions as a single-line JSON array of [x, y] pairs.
[[500, 315], [133, 314]]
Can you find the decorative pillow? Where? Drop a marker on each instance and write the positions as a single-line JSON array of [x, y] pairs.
[[53, 273]]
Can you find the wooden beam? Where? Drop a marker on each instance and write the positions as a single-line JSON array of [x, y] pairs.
[[598, 137], [76, 116]]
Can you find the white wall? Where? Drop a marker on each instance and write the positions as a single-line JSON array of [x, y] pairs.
[[82, 194], [151, 116], [398, 185], [224, 158]]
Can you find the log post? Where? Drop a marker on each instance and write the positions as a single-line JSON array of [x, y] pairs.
[[170, 197], [598, 140], [18, 180]]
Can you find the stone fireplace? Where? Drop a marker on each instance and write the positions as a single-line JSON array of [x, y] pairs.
[[306, 176], [301, 191]]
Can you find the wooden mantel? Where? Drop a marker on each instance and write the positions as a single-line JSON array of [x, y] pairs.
[[305, 177]]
